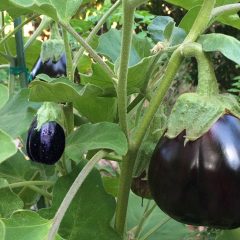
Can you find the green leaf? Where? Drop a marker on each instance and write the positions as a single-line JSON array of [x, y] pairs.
[[9, 201], [3, 95], [26, 225], [189, 18], [138, 75], [85, 99], [13, 11], [57, 9], [230, 234], [90, 212], [31, 54], [18, 169], [110, 46], [170, 230], [190, 4], [7, 146], [162, 29], [17, 114], [231, 20], [96, 136], [227, 45], [196, 114]]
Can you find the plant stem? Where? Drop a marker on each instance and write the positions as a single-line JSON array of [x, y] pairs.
[[94, 32], [171, 70], [72, 192], [154, 229], [207, 82], [20, 54], [225, 9], [70, 73], [44, 23], [202, 20], [40, 191], [143, 219], [128, 20], [18, 27], [30, 183], [88, 48]]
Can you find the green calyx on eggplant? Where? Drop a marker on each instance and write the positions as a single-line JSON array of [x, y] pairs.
[[198, 182], [47, 144], [46, 136]]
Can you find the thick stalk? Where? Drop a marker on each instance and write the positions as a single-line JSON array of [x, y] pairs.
[[128, 20], [72, 192], [70, 73], [20, 54], [89, 49], [30, 183], [171, 70], [94, 32], [207, 82], [201, 22], [44, 23], [225, 9]]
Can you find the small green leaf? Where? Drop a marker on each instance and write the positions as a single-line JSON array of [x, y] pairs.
[[227, 45], [230, 234], [189, 18], [7, 146], [96, 136], [90, 212], [26, 225], [3, 95], [9, 201], [162, 29], [18, 169]]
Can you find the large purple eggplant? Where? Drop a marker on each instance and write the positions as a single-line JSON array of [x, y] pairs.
[[199, 183]]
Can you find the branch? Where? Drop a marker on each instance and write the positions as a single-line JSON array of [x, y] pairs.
[[88, 48], [72, 192], [225, 9], [94, 32]]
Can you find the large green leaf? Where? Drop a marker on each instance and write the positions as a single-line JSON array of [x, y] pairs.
[[138, 75], [110, 46], [13, 11], [96, 136], [26, 225], [90, 212], [87, 100], [7, 146], [56, 9], [3, 95], [227, 45], [169, 229], [17, 114]]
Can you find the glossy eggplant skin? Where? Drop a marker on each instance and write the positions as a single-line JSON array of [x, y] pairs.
[[52, 69], [199, 183], [46, 145]]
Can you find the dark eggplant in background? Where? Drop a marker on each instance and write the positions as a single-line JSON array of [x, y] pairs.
[[199, 183], [51, 68], [47, 144]]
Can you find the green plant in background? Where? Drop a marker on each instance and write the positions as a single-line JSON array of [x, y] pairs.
[[114, 97]]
